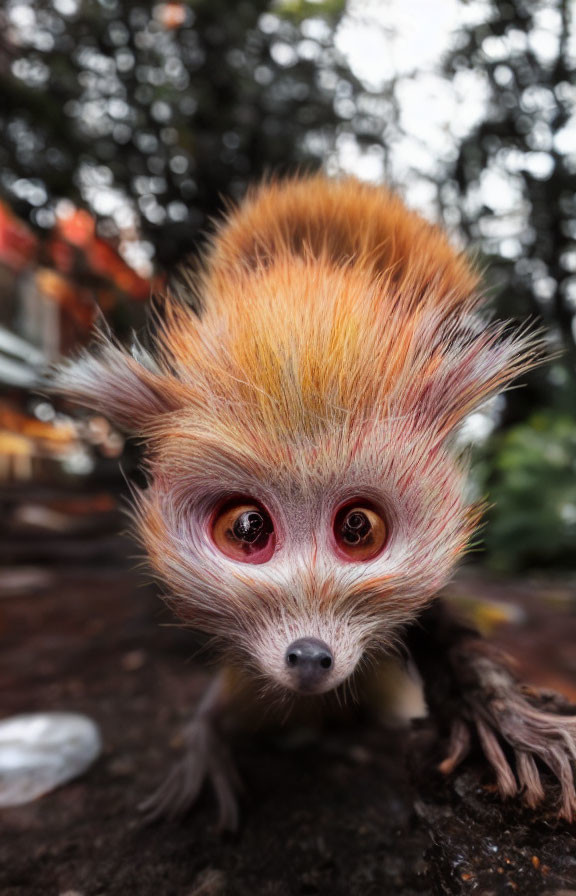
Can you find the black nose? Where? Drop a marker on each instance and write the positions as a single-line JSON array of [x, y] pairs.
[[309, 661]]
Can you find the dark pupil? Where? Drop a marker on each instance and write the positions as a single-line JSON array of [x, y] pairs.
[[356, 527], [248, 526]]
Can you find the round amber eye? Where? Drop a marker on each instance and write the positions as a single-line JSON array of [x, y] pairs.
[[244, 531], [360, 532]]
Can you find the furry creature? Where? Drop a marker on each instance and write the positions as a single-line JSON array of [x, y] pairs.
[[306, 501]]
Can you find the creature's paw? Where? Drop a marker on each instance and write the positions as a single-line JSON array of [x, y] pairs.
[[514, 731], [206, 760]]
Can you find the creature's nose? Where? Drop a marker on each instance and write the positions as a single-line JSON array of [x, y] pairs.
[[309, 661]]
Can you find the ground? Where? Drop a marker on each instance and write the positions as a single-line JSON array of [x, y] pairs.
[[356, 811]]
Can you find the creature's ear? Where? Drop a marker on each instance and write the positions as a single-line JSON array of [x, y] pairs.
[[110, 380], [472, 362]]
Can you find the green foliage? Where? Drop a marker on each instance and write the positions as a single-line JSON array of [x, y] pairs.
[[302, 9], [530, 479]]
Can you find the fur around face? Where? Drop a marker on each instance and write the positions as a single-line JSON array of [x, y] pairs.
[[337, 348]]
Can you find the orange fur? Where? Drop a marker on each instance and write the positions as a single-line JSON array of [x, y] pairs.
[[319, 300]]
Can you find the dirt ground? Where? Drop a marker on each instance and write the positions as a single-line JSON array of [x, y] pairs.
[[356, 811]]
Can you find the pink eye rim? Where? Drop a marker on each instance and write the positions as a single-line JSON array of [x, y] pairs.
[[359, 530], [242, 529]]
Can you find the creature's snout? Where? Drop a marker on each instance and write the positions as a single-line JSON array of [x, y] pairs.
[[309, 664]]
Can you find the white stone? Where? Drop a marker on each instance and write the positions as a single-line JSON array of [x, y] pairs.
[[40, 751]]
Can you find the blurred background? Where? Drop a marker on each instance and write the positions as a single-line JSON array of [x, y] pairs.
[[125, 128]]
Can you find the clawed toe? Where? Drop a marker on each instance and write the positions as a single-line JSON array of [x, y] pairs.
[[458, 747], [515, 737], [206, 760], [529, 778]]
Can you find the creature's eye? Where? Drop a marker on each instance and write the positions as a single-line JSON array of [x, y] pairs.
[[244, 531], [360, 531]]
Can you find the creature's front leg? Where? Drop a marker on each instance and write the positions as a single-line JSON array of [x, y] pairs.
[[472, 692], [206, 759]]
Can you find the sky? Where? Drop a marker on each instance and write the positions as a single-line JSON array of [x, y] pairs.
[[405, 40], [383, 38]]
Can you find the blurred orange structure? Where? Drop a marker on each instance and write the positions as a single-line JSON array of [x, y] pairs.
[[51, 290], [170, 15], [25, 441], [17, 243]]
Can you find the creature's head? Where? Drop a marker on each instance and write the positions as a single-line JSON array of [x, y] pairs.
[[305, 502]]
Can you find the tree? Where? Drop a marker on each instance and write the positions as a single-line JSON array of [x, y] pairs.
[[515, 177], [147, 114]]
